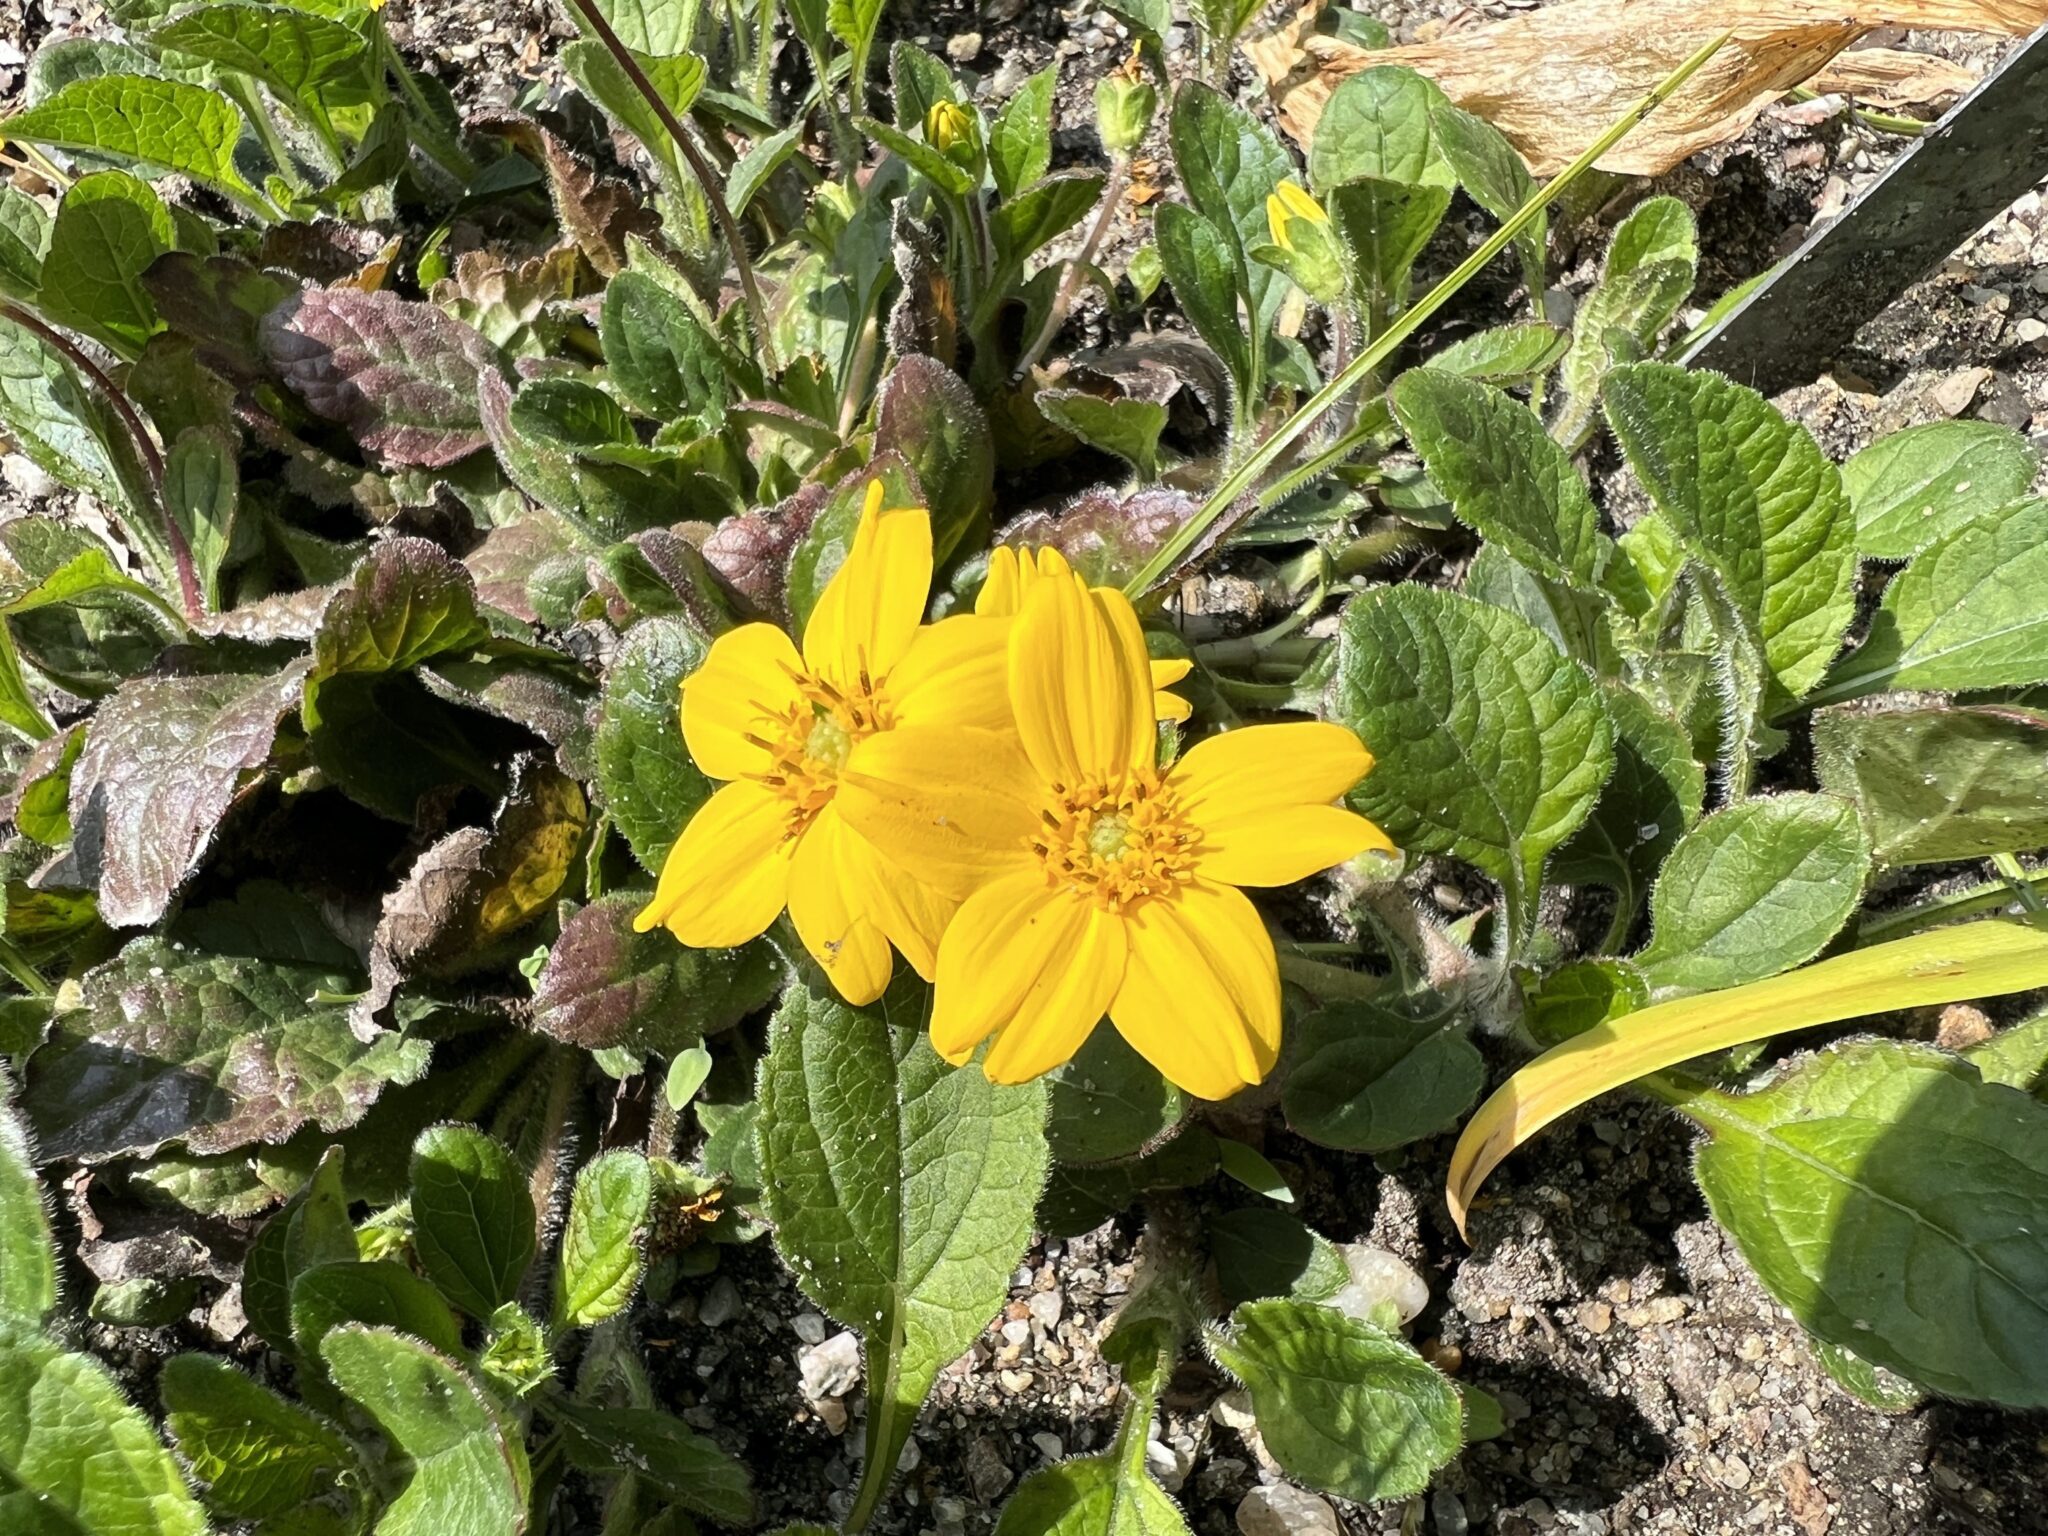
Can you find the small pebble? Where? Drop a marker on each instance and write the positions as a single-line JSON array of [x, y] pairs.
[[721, 1304], [1048, 1445], [1284, 1510], [964, 47], [809, 1327], [830, 1368]]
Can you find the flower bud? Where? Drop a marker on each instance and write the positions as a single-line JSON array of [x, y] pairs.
[[949, 129], [1124, 103], [1304, 243]]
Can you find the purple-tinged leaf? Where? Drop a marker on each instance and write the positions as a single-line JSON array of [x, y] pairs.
[[159, 770], [606, 986], [751, 553], [217, 303], [926, 413], [408, 601], [1106, 537], [399, 374]]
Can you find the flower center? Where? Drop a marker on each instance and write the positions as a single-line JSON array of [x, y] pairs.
[[1116, 843], [812, 742]]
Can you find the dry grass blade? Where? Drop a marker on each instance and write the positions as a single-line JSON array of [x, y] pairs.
[[1549, 78], [1945, 965]]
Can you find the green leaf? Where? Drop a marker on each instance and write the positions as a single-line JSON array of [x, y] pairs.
[[1653, 799], [926, 414], [254, 1453], [313, 1229], [600, 1259], [1230, 162], [1037, 217], [1754, 890], [854, 23], [1106, 1495], [660, 359], [1262, 1252], [74, 1456], [650, 785], [1197, 261], [901, 1190], [468, 1473], [1249, 1167], [406, 603], [1965, 614], [1913, 487], [1504, 355], [24, 237], [1651, 266], [217, 1051], [1897, 1204], [293, 51], [473, 1217], [64, 424], [681, 1465], [183, 128], [1020, 139], [677, 77], [919, 156], [381, 1293], [1935, 783], [1342, 1405], [1753, 500], [2016, 1056], [686, 1076], [1583, 995], [1378, 124], [203, 491], [1491, 746], [1493, 174], [1869, 1384], [1387, 225], [649, 26], [752, 171], [1503, 474], [1370, 1076], [109, 228], [1125, 427], [1109, 1103], [28, 1260]]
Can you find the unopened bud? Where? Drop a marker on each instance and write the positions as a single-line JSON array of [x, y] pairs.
[[1124, 103]]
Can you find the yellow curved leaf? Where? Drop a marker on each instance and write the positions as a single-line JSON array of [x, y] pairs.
[[1944, 965]]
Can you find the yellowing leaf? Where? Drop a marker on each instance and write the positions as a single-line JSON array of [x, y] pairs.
[[1945, 965]]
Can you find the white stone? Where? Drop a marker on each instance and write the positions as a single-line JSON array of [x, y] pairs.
[[809, 1327], [1284, 1510], [721, 1304], [830, 1369], [1376, 1276], [1048, 1445]]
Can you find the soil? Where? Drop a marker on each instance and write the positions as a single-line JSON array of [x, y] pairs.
[[1648, 1383]]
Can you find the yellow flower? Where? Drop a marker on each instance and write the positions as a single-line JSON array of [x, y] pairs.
[[781, 726], [1013, 572], [949, 130], [1287, 203], [1090, 881]]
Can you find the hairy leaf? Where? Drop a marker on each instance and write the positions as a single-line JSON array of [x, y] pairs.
[[925, 413], [253, 1452], [1109, 1103], [1020, 138], [660, 359], [402, 376], [1377, 123], [901, 1190], [1897, 1204], [1490, 745], [606, 987], [1494, 175], [1965, 614], [1107, 1495], [1387, 224], [1197, 261], [1230, 163], [217, 1051], [168, 123], [64, 424], [1369, 1077], [469, 1472], [74, 1456], [109, 228], [1650, 269], [1912, 487], [1753, 500], [1125, 427], [686, 1468], [1262, 1252], [28, 1261], [650, 785], [382, 1293], [473, 1217], [1342, 1405], [291, 50], [1935, 784], [161, 765], [600, 1260], [1653, 799], [1754, 890]]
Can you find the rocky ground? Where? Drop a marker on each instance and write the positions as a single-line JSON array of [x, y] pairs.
[[1649, 1384]]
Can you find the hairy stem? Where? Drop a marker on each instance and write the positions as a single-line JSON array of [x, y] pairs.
[[145, 448], [686, 145]]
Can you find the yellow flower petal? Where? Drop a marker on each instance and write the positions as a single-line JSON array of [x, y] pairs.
[[826, 902], [1245, 790], [1032, 965], [874, 602], [746, 687], [728, 874], [912, 914], [1170, 706], [1080, 682], [1201, 994], [955, 673], [953, 805], [1002, 589]]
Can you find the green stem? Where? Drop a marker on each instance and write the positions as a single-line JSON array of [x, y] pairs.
[[1325, 980], [1077, 268], [2020, 882], [1883, 122], [444, 154], [15, 963], [714, 194], [245, 94], [1974, 902], [1268, 453]]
